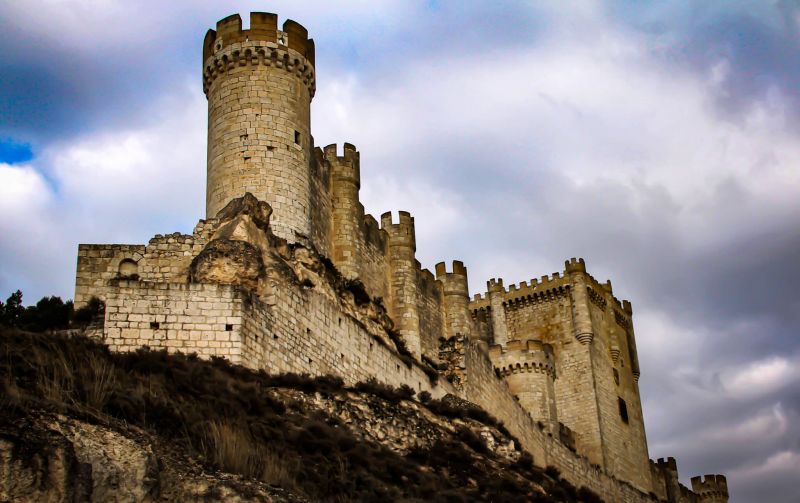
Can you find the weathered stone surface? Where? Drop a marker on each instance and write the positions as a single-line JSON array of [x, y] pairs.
[[53, 458], [228, 262], [258, 211]]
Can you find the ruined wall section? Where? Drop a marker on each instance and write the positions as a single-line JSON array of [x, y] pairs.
[[99, 266], [166, 258]]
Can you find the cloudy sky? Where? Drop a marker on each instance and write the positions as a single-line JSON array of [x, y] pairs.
[[658, 140]]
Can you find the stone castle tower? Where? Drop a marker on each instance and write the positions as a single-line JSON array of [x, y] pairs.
[[288, 273], [260, 83]]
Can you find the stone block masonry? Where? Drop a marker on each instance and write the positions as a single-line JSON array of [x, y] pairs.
[[289, 274]]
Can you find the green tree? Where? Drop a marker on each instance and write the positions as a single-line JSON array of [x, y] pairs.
[[50, 313], [13, 310]]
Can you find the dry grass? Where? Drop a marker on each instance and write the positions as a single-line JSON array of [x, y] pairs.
[[233, 420]]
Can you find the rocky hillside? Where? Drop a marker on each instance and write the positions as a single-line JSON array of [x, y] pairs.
[[78, 423]]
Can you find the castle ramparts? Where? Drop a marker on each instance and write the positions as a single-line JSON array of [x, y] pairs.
[[287, 273]]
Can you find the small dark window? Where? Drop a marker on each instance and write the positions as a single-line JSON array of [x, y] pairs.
[[310, 361], [228, 328], [623, 410], [275, 336], [297, 137], [616, 376], [154, 325]]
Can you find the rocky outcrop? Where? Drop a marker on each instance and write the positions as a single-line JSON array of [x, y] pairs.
[[47, 457]]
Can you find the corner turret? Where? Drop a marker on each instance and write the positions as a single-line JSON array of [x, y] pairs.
[[711, 488], [496, 294], [402, 276], [582, 319], [529, 369], [456, 299], [347, 212]]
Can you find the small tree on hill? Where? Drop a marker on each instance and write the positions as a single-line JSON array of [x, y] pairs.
[[13, 309]]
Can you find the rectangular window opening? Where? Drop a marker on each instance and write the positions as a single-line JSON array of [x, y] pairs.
[[623, 410], [229, 328], [154, 325], [297, 137]]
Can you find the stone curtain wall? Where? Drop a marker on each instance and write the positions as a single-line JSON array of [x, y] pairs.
[[190, 318], [483, 388], [304, 331]]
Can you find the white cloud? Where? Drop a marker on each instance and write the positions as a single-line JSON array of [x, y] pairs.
[[116, 186]]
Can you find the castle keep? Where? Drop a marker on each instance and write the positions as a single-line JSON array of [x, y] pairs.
[[287, 273]]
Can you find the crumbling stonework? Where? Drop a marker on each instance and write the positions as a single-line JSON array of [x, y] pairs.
[[288, 273]]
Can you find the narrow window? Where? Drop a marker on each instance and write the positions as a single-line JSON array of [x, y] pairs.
[[228, 328], [154, 325], [623, 410], [297, 137]]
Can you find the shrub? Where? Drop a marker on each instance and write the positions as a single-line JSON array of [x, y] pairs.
[[469, 437], [424, 396], [586, 495], [93, 309], [553, 472], [385, 391]]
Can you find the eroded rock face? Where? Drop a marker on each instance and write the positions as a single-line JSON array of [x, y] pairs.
[[51, 458], [229, 262], [258, 211]]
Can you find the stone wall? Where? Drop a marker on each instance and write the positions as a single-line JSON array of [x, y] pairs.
[[305, 331], [190, 318], [483, 388], [588, 330], [430, 309], [98, 265]]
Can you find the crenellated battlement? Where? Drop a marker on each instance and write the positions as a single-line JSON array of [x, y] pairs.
[[667, 464], [454, 283], [458, 269], [574, 265], [519, 356], [346, 167], [710, 488], [401, 233], [230, 46]]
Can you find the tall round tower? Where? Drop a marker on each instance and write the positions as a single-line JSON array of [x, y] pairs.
[[259, 84]]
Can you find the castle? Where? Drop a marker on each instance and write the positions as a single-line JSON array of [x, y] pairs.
[[287, 273]]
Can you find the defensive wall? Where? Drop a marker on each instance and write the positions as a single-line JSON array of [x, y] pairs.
[[289, 274]]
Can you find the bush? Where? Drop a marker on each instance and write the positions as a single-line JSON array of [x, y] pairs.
[[553, 472], [424, 397], [586, 495], [385, 391], [88, 313]]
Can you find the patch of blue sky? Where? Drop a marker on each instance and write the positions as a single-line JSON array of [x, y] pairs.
[[13, 151]]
